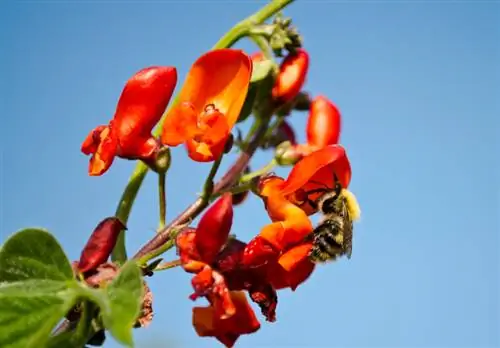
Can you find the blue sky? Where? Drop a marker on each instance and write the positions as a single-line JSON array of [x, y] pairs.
[[416, 84]]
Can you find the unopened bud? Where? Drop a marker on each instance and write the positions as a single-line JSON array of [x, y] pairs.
[[286, 154], [302, 102]]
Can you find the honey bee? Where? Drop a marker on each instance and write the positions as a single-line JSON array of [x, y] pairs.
[[332, 237]]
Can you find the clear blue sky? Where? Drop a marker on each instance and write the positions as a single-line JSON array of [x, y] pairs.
[[416, 83]]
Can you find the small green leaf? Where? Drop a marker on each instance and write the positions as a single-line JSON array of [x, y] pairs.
[[125, 297], [30, 309], [261, 70], [33, 253]]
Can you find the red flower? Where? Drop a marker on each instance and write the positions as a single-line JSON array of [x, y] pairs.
[[216, 262], [140, 107], [209, 104], [291, 77]]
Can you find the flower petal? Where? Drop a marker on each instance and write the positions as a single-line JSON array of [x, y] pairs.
[[202, 152], [207, 323], [179, 125], [292, 269], [214, 227], [143, 101], [320, 165], [92, 140], [292, 75], [105, 152], [323, 123], [219, 77]]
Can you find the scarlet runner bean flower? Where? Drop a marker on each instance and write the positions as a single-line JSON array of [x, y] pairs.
[[220, 278], [209, 104], [281, 245], [140, 107], [323, 129]]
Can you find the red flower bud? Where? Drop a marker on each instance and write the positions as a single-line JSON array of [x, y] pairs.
[[100, 244], [323, 124], [214, 227], [292, 75]]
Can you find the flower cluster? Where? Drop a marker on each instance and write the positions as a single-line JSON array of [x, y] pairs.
[[202, 118]]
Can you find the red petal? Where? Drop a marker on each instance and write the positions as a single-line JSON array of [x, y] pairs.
[[323, 124], [92, 140], [105, 153], [100, 244], [207, 323], [214, 227], [259, 252], [291, 77], [142, 103], [333, 158]]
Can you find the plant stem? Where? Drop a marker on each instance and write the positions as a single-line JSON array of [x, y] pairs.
[[127, 200], [162, 198], [264, 170], [167, 265]]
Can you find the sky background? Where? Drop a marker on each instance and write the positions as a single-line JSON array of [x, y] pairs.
[[417, 84]]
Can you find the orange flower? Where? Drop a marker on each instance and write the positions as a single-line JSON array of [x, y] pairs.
[[207, 322], [209, 104], [280, 246], [140, 107], [291, 77]]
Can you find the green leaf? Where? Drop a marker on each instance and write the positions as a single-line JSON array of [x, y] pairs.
[[30, 309], [125, 298], [33, 253], [261, 70]]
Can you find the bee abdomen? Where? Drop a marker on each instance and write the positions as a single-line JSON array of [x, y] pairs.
[[326, 246]]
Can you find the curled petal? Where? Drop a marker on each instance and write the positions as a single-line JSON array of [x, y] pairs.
[[202, 152], [258, 252], [214, 228], [292, 75], [105, 151], [100, 244], [207, 323], [219, 77], [318, 170], [323, 124], [91, 142], [142, 103], [292, 269], [186, 246]]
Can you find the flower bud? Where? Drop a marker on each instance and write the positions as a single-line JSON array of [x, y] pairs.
[[302, 102], [160, 161], [291, 77], [286, 154], [100, 244]]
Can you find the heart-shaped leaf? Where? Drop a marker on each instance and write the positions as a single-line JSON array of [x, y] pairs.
[[33, 253], [30, 309], [125, 297]]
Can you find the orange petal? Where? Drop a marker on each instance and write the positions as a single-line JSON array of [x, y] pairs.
[[323, 124], [92, 140], [142, 103], [219, 77], [201, 152], [104, 154], [292, 224], [214, 227], [294, 266], [207, 323], [292, 75], [319, 165], [179, 125], [214, 128]]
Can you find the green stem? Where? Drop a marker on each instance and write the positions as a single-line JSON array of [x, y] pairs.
[[264, 170], [162, 198], [208, 187], [167, 265], [263, 45], [127, 200]]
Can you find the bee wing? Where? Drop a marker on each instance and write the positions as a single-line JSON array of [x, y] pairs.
[[348, 232]]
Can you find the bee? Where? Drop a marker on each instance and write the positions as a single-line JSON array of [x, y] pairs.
[[332, 237]]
